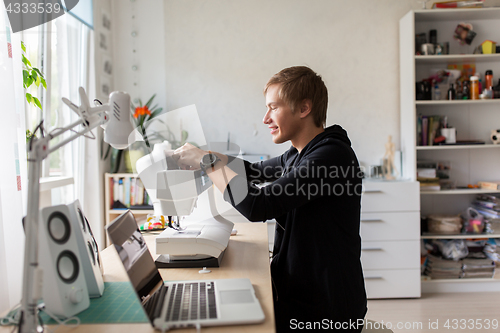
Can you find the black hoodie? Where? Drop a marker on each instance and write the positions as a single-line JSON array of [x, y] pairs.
[[315, 198]]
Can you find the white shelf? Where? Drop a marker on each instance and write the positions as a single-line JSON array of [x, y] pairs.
[[450, 147], [459, 102], [134, 211], [473, 118], [459, 191], [468, 236], [461, 280], [440, 59], [121, 175], [458, 15]]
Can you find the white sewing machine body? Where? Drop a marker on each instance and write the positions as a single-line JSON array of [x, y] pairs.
[[188, 197], [198, 240]]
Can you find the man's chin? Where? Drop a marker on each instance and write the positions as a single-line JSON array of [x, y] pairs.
[[278, 139]]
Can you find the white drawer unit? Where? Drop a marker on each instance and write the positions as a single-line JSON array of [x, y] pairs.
[[392, 283], [390, 234], [390, 226], [394, 196], [390, 255]]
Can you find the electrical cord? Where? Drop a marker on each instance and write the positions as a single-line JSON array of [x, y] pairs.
[[60, 322], [12, 317]]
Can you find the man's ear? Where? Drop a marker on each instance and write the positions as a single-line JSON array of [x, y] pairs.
[[305, 108]]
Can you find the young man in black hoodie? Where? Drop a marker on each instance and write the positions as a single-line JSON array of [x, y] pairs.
[[314, 196]]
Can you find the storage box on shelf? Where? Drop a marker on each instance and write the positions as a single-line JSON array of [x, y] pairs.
[[390, 234], [111, 196], [473, 119]]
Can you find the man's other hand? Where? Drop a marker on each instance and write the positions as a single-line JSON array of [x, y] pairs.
[[188, 157]]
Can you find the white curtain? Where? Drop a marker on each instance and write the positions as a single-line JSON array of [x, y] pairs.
[[13, 169]]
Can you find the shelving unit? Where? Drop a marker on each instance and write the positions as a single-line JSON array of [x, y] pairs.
[[476, 236], [111, 214], [473, 120]]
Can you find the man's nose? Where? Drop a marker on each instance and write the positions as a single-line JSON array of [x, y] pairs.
[[266, 118]]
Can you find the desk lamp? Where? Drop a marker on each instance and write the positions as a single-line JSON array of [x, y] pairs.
[[115, 119]]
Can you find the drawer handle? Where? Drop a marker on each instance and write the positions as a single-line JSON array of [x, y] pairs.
[[373, 220], [373, 278], [372, 191], [372, 249]]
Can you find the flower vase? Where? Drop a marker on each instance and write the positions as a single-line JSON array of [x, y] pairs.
[[131, 156]]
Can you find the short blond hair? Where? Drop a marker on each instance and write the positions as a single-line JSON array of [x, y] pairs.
[[298, 84]]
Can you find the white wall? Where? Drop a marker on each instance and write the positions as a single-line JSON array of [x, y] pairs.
[[218, 54]]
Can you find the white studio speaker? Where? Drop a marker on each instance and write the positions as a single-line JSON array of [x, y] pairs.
[[65, 290], [89, 251]]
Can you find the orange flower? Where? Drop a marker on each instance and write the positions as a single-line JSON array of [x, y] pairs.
[[141, 110]]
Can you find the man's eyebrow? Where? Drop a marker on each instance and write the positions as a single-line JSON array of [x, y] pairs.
[[271, 103]]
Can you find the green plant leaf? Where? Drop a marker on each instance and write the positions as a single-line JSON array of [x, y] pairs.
[[155, 113], [23, 46], [26, 75], [148, 103], [37, 102], [184, 136], [35, 78], [44, 84], [38, 71], [29, 81], [29, 98], [26, 62]]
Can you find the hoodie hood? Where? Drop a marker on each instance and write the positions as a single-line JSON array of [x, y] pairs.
[[335, 132]]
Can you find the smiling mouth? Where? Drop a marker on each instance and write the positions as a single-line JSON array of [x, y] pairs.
[[273, 130]]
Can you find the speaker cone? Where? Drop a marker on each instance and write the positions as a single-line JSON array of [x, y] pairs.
[[67, 266], [81, 218], [59, 227], [91, 252]]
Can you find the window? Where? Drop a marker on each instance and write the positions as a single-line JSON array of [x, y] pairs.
[[63, 58]]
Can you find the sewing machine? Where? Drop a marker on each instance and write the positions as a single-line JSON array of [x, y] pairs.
[[197, 240]]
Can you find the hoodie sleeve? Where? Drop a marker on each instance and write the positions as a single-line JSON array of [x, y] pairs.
[[258, 172], [330, 170]]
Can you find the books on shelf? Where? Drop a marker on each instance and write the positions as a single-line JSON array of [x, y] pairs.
[[428, 129], [429, 184], [439, 268], [495, 185], [426, 173], [128, 192]]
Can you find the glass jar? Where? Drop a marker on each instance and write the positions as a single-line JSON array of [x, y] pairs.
[[474, 87]]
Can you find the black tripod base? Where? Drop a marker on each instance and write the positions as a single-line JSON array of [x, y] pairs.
[[164, 262]]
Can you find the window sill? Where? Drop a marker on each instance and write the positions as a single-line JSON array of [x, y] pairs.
[[49, 183]]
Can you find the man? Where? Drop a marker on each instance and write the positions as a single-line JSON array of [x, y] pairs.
[[315, 198]]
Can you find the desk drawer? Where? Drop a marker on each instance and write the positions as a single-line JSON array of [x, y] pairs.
[[390, 226], [390, 197], [392, 283], [390, 255]]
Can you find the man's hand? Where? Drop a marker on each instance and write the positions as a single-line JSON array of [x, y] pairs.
[[188, 157]]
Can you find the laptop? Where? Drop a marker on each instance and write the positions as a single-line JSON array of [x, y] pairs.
[[176, 304]]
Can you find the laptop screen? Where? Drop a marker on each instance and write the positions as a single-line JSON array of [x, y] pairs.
[[134, 254]]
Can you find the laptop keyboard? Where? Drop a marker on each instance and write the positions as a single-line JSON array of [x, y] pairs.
[[153, 304], [192, 301]]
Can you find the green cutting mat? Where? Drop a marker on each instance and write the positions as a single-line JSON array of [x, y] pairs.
[[118, 304]]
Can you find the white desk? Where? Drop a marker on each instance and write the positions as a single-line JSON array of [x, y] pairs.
[[247, 256]]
